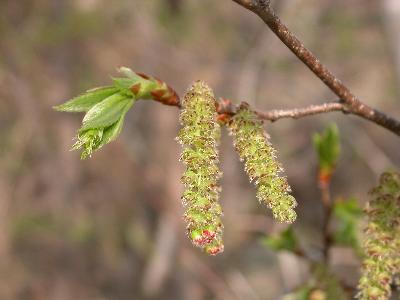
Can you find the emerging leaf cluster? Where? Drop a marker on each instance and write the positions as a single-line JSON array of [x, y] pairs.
[[261, 165], [200, 137], [382, 239], [327, 146], [106, 107]]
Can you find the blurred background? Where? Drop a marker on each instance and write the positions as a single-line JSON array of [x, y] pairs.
[[110, 227]]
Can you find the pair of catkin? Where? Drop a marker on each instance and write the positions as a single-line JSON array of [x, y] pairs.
[[200, 137]]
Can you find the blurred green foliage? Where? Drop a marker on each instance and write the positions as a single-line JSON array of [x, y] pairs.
[[348, 214], [327, 146], [27, 228], [285, 240]]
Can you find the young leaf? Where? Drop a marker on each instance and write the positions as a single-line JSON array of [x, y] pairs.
[[124, 83], [87, 100], [88, 141], [93, 139], [139, 87], [106, 112], [286, 240], [129, 73], [348, 214], [327, 146], [112, 132]]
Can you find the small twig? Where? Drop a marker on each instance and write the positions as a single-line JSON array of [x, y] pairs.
[[296, 113], [225, 107], [265, 11], [327, 203]]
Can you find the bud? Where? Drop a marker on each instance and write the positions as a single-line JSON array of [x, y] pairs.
[[200, 137], [259, 157]]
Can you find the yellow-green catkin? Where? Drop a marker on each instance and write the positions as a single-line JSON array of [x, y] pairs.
[[200, 137], [259, 157], [382, 240]]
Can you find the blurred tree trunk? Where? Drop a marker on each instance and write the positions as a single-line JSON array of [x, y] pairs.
[[391, 9]]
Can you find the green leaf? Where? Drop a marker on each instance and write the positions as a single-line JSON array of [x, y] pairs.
[[348, 210], [105, 113], [129, 73], [91, 140], [123, 84], [112, 132], [145, 86], [327, 146], [87, 100], [348, 215], [285, 240]]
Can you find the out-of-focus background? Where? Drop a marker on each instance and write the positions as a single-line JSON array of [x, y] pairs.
[[110, 227]]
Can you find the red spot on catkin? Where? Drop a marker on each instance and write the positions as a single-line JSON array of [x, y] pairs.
[[215, 250], [198, 241], [205, 238], [208, 235]]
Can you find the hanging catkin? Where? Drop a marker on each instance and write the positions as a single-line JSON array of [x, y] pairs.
[[258, 155], [200, 137]]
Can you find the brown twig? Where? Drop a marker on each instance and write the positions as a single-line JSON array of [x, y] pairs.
[[225, 107], [327, 203], [296, 113], [353, 105]]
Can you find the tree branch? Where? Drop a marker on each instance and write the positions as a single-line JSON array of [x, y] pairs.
[[353, 105], [296, 113]]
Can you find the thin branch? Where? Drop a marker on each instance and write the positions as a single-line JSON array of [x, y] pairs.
[[265, 11], [324, 187], [226, 109], [296, 113]]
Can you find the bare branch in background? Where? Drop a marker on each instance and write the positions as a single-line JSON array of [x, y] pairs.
[[296, 113], [354, 106]]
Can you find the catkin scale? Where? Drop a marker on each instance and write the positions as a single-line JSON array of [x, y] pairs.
[[259, 157], [199, 137]]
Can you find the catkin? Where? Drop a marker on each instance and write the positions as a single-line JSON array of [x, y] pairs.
[[200, 137], [382, 240], [259, 157]]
